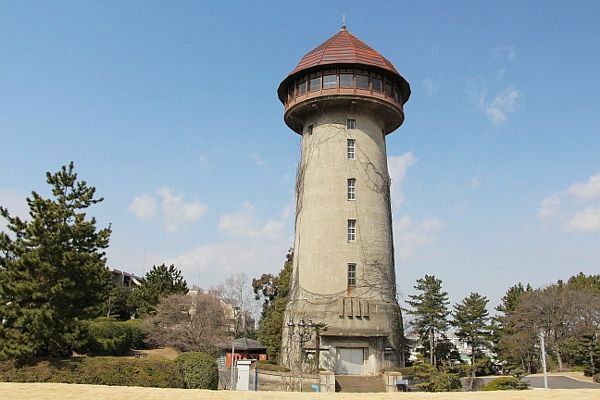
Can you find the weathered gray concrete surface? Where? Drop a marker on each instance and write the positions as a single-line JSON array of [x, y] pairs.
[[364, 316]]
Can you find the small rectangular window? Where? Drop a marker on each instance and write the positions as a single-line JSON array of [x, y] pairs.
[[351, 149], [362, 81], [315, 84], [352, 189], [351, 275], [389, 91], [352, 230], [301, 88], [346, 80], [351, 123], [329, 81], [376, 83]]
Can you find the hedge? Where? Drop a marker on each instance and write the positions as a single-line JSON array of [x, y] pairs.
[[116, 371], [108, 337], [269, 366], [199, 370], [505, 383]]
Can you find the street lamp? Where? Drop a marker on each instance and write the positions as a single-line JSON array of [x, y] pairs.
[[300, 332]]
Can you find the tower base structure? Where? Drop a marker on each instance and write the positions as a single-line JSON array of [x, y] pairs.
[[359, 337]]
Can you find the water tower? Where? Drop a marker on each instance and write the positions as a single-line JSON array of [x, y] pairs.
[[343, 98]]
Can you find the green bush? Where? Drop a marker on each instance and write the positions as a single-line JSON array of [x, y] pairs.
[[429, 379], [269, 366], [108, 337], [121, 371], [199, 370], [597, 378], [505, 383], [137, 332]]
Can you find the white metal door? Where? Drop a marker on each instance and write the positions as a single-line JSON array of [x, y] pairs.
[[350, 361]]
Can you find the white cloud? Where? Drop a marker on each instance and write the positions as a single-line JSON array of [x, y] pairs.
[[397, 168], [251, 246], [257, 159], [587, 190], [549, 207], [505, 52], [430, 87], [504, 103], [203, 160], [475, 182], [176, 211], [500, 72], [244, 223], [586, 221], [409, 237], [213, 263], [143, 207]]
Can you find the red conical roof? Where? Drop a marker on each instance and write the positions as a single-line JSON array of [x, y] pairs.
[[344, 48]]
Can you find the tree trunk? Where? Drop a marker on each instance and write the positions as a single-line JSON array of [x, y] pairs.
[[592, 366], [558, 358], [473, 353], [431, 348], [318, 350]]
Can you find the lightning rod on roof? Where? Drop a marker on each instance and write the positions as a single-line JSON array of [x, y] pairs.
[[343, 20]]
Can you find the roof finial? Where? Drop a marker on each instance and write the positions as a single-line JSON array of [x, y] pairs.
[[343, 21]]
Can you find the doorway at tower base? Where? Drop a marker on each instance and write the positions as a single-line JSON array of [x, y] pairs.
[[351, 355]]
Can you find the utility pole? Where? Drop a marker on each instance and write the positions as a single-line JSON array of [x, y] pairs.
[[543, 346]]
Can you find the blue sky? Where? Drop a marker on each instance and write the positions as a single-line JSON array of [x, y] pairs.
[[170, 110]]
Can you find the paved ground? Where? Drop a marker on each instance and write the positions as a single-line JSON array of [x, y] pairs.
[[63, 391], [560, 382]]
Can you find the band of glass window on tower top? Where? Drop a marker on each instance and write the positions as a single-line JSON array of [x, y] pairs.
[[350, 78]]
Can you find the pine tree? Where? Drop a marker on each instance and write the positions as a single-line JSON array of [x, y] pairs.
[[430, 309], [52, 270], [158, 283], [471, 320], [515, 346]]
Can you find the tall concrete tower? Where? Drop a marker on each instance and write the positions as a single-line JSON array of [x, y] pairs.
[[344, 98]]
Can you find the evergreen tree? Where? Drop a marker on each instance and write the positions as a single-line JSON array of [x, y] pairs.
[[515, 346], [52, 270], [271, 325], [471, 320], [512, 298], [117, 304], [158, 283], [430, 309]]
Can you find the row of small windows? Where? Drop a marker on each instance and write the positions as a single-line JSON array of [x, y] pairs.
[[345, 78]]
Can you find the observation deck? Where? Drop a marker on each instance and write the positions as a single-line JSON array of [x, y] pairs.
[[344, 71]]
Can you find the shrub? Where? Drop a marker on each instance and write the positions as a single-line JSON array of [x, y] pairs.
[[505, 383], [110, 337], [199, 370], [597, 378], [119, 371], [429, 379], [269, 366]]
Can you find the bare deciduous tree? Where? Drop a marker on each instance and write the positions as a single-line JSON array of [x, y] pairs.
[[238, 293], [189, 322]]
